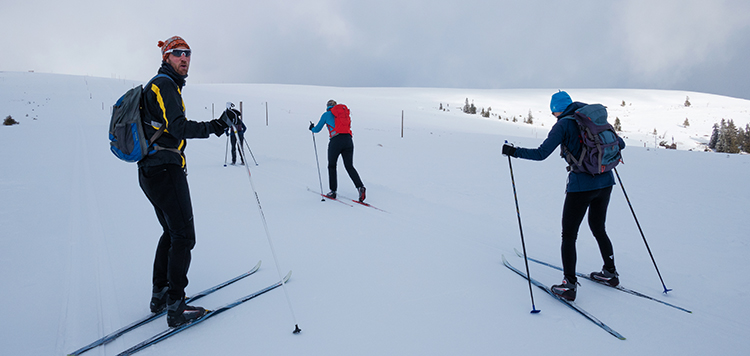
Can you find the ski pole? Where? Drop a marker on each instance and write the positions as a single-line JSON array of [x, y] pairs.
[[641, 231], [251, 151], [297, 330], [226, 151], [534, 310], [317, 163]]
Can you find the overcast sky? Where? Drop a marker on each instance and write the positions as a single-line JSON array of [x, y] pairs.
[[695, 45]]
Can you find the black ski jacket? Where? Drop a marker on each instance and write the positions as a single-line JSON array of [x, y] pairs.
[[164, 106]]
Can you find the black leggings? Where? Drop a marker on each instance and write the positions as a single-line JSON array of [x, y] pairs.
[[343, 145], [233, 140], [574, 209], [166, 187]]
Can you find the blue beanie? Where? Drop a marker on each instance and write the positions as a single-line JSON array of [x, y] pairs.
[[560, 101]]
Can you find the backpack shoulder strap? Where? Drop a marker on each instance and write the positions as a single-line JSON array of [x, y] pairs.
[[161, 129], [566, 153]]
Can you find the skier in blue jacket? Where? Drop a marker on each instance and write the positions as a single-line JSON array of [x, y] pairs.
[[336, 119], [584, 192]]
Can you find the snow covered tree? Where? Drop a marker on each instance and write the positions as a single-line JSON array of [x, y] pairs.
[[721, 143], [618, 125], [686, 123], [469, 108], [729, 137], [743, 137], [687, 101], [714, 138]]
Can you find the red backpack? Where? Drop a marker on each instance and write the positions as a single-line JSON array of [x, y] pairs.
[[342, 121]]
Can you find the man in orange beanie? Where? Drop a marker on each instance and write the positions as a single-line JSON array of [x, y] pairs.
[[162, 177]]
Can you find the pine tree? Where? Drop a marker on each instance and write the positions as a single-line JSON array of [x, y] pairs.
[[686, 123], [687, 101], [529, 119], [733, 143], [618, 125], [742, 139], [714, 138], [746, 139], [721, 144]]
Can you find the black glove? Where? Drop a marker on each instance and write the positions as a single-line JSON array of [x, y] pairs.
[[218, 125], [229, 116], [509, 150], [311, 125], [234, 116]]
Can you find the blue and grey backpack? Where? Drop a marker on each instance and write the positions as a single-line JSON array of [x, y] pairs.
[[127, 139], [600, 148]]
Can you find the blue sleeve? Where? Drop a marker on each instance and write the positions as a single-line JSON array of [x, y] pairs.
[[326, 118], [554, 139]]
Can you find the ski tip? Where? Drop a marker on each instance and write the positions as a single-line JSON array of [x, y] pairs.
[[288, 275], [257, 266]]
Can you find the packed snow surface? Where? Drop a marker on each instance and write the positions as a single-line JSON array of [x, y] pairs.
[[423, 278]]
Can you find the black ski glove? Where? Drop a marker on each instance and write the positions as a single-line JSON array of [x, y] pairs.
[[234, 117], [509, 150], [218, 126], [311, 125], [222, 123]]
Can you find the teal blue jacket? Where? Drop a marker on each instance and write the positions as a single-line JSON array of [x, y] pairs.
[[566, 132]]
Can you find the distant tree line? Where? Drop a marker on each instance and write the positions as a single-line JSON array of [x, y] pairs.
[[726, 137]]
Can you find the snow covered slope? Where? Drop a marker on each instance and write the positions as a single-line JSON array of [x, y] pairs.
[[425, 278]]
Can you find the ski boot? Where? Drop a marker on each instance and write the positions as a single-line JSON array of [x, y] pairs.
[[565, 290], [179, 313]]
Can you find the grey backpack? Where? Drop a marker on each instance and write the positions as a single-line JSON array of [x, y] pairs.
[[127, 139]]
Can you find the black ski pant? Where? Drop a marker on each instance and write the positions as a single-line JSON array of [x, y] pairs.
[[166, 187], [343, 145], [574, 209]]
